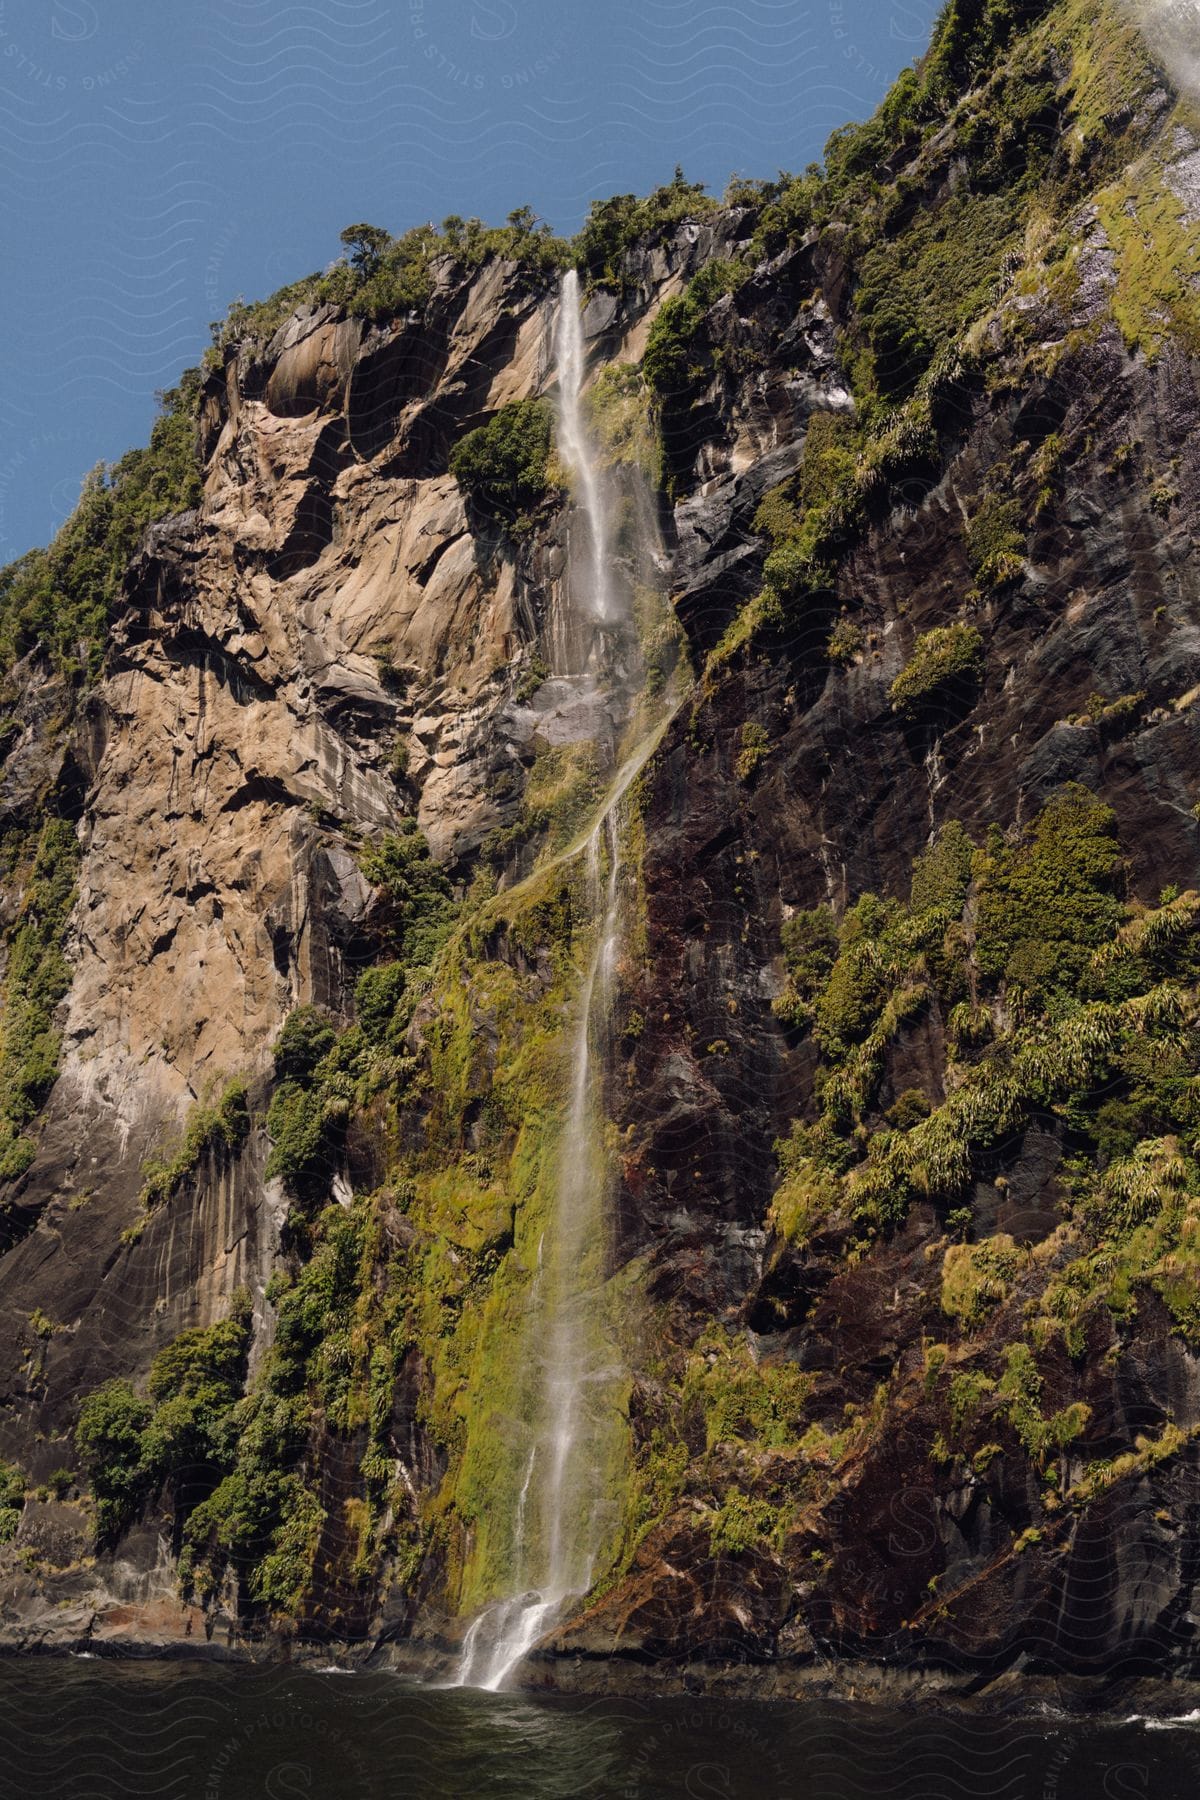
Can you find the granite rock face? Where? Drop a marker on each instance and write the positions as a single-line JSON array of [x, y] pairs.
[[333, 601]]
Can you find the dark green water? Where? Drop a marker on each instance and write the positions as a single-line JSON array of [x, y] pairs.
[[82, 1730]]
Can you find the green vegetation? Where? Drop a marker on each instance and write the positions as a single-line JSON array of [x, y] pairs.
[[132, 1445], [680, 360], [753, 747], [232, 1460], [12, 1501], [381, 277], [1054, 989], [675, 358], [942, 675], [846, 641], [35, 981], [996, 541], [741, 1524], [1045, 905], [59, 601], [806, 518], [614, 226], [1157, 245], [742, 1400], [1067, 1008], [417, 907], [976, 1277], [223, 1125], [504, 466], [323, 1075], [619, 411]]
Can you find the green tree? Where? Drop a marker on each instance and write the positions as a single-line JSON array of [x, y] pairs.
[[366, 245]]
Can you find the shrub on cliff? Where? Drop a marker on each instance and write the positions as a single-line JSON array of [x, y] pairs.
[[12, 1501], [675, 359], [942, 675], [183, 1431], [222, 1125], [1059, 891], [615, 225], [59, 600], [108, 1437], [36, 979], [415, 894], [504, 466]]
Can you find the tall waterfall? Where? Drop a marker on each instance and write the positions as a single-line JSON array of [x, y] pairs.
[[598, 599], [559, 1524]]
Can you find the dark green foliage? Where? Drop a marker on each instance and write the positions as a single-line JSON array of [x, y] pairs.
[[321, 1072], [108, 1437], [307, 1036], [675, 359], [809, 947], [1059, 1002], [613, 226], [810, 942], [942, 874], [942, 675], [184, 1432], [852, 994], [415, 892], [194, 1384], [919, 291], [36, 980], [909, 1109], [995, 540], [60, 600], [385, 277], [302, 1126], [503, 466], [1053, 898], [966, 41], [325, 1363], [523, 239], [377, 995], [365, 246], [12, 1501], [268, 1524]]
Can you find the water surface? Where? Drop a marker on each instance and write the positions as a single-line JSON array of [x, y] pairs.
[[91, 1730]]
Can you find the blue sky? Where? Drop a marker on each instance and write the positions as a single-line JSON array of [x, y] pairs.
[[158, 159]]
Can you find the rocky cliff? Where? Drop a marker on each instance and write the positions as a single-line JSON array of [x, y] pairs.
[[903, 1076]]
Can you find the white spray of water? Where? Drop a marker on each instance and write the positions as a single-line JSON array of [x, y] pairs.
[[575, 446], [559, 1526], [555, 1529], [1172, 29], [568, 1454]]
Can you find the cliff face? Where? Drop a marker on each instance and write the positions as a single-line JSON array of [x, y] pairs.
[[904, 1198]]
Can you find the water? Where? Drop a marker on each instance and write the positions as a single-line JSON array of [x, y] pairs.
[[595, 594], [570, 1458], [562, 1516], [100, 1731]]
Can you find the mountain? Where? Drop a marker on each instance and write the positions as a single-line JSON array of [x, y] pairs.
[[600, 1049]]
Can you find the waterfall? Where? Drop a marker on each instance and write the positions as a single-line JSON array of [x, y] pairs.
[[575, 446], [559, 1526], [562, 1459], [568, 1459]]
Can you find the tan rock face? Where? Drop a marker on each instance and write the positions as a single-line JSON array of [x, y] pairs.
[[327, 607]]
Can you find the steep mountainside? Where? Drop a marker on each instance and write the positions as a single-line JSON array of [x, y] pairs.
[[887, 753]]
